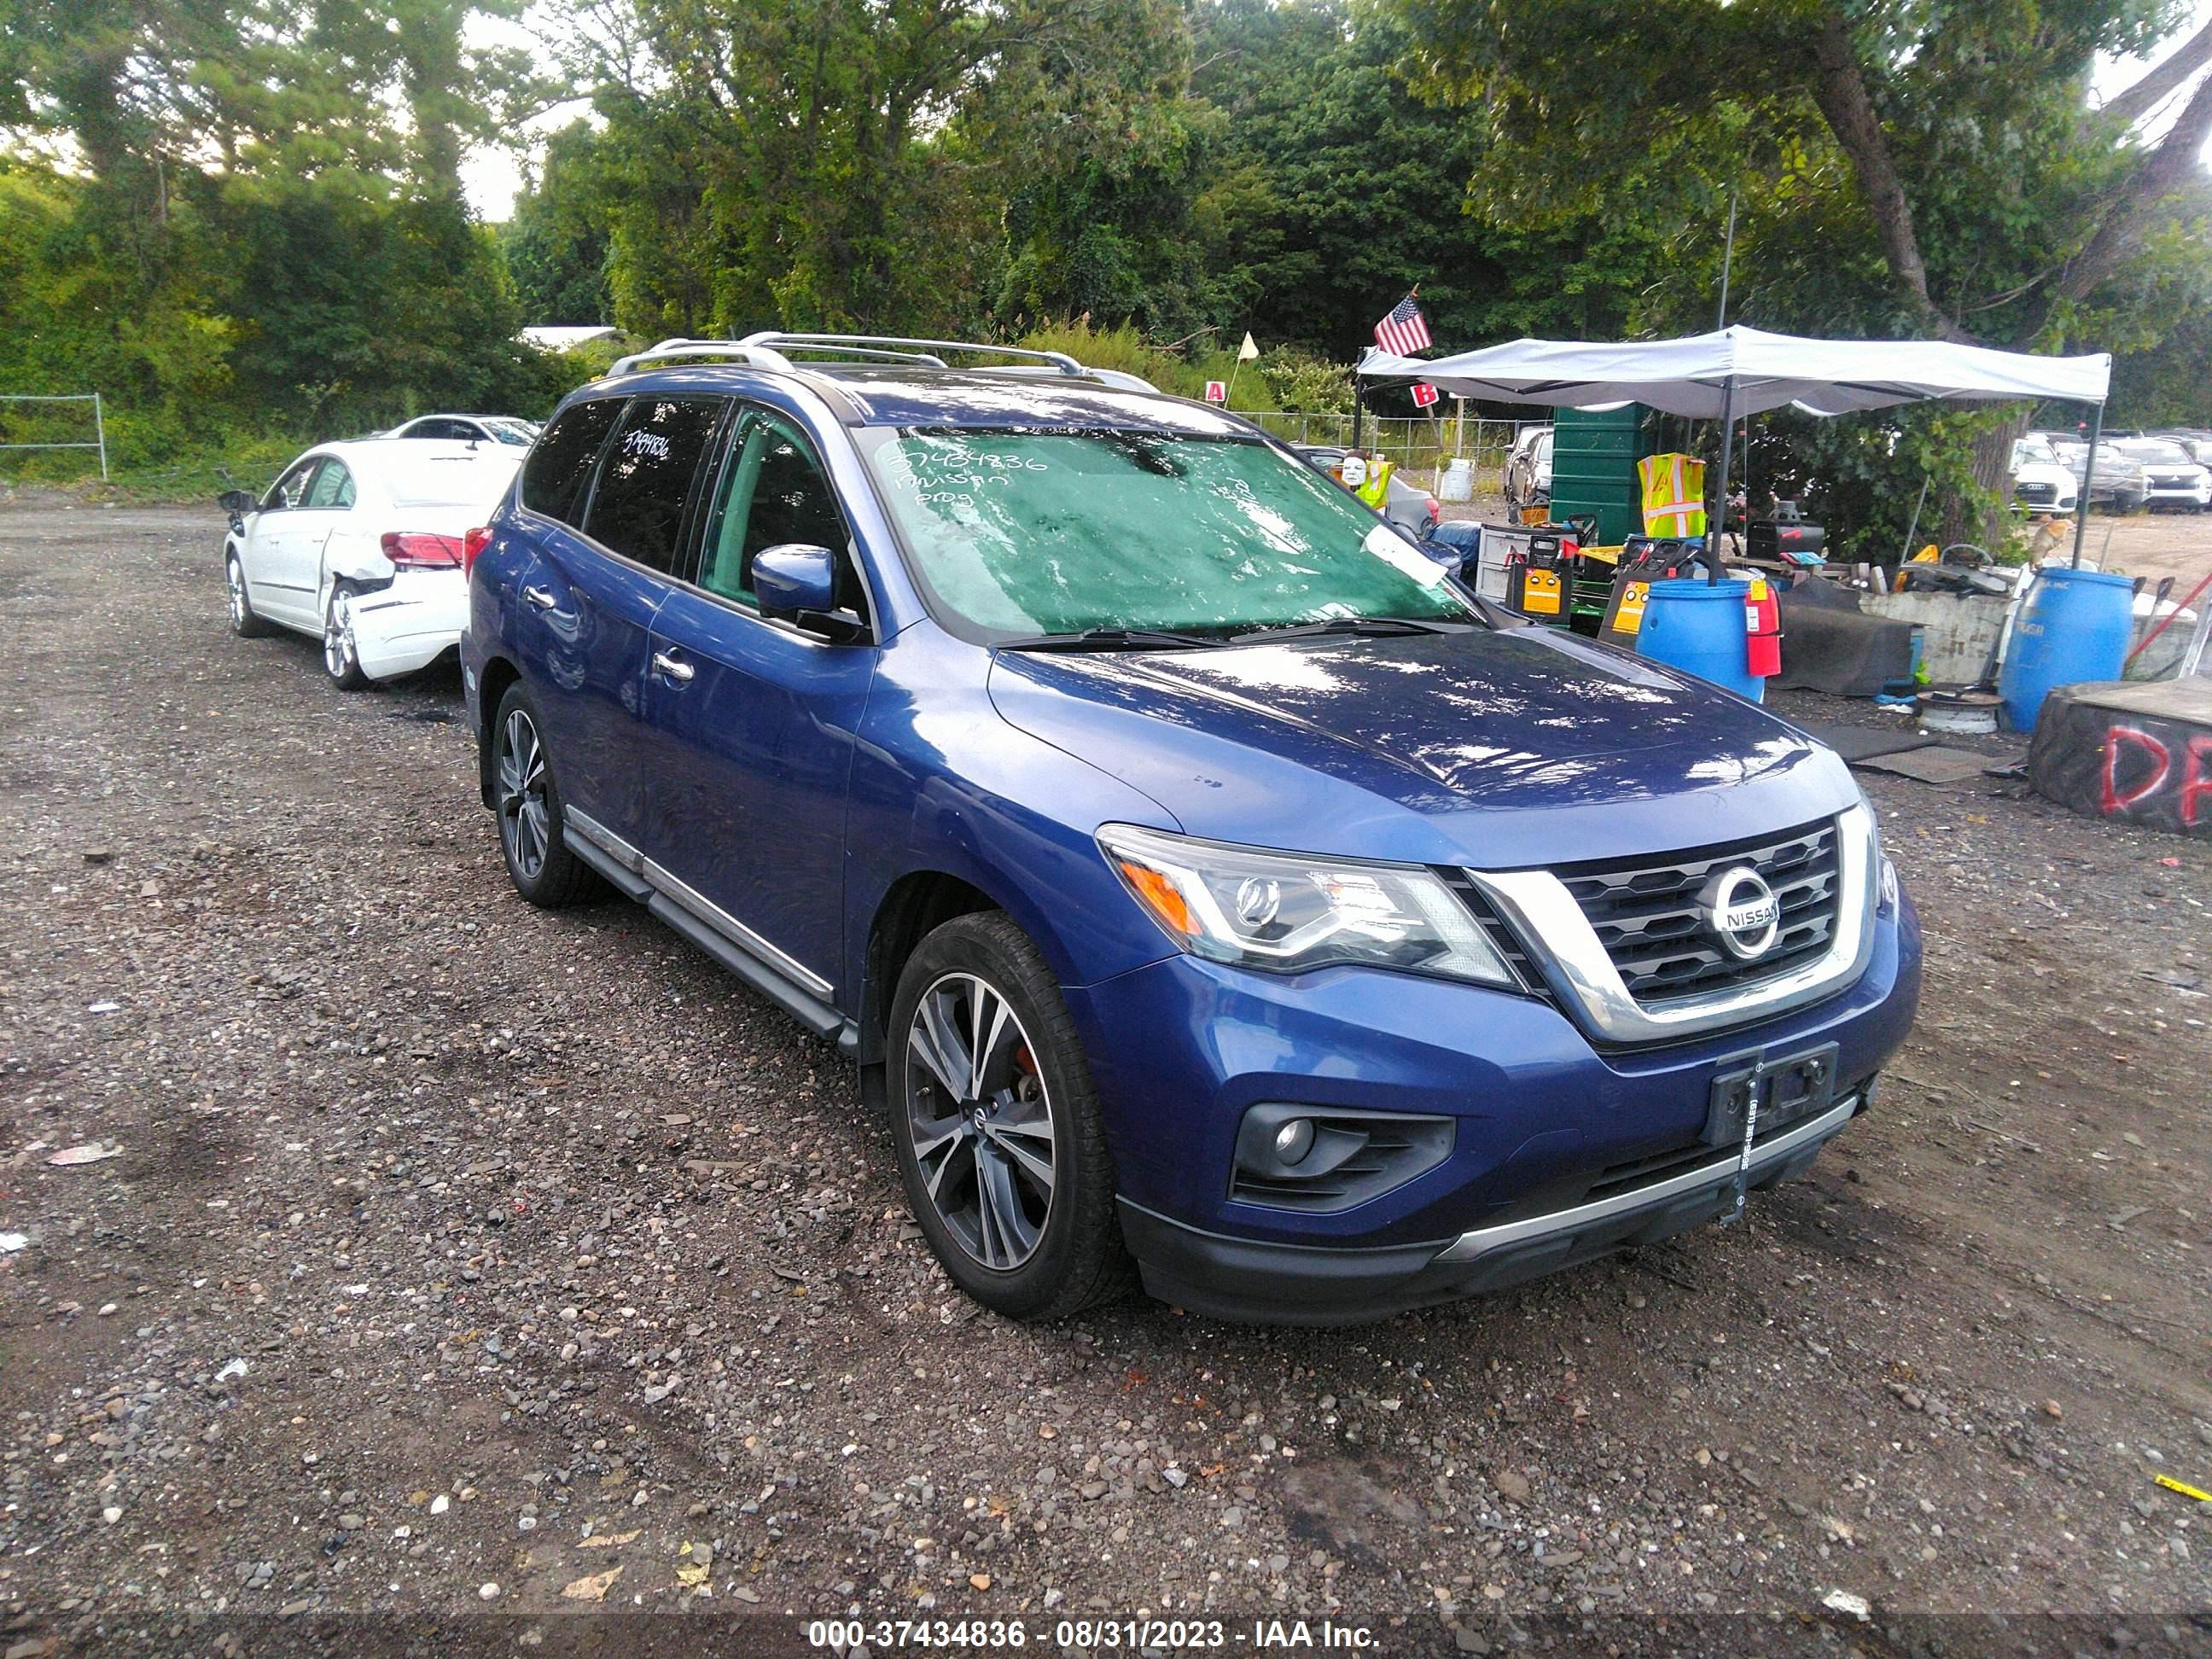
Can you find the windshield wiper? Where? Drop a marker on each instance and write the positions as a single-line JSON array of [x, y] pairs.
[[1110, 639], [1378, 626]]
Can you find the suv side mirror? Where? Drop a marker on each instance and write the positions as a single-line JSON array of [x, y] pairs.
[[794, 578], [235, 501]]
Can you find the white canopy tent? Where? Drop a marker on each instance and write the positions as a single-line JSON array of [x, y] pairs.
[[1736, 371]]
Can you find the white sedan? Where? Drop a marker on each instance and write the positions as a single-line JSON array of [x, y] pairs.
[[365, 545], [470, 428]]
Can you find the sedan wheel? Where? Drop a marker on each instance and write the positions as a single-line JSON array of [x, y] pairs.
[[979, 1121], [244, 621], [341, 651], [524, 821]]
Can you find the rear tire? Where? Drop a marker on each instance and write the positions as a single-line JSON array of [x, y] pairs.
[[1004, 1164], [244, 621], [341, 650], [528, 803]]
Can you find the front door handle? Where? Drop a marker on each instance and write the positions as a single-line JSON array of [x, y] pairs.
[[674, 667], [539, 597]]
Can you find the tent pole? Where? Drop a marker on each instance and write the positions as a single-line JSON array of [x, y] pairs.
[[1358, 405], [1719, 521], [1728, 258], [2088, 471]]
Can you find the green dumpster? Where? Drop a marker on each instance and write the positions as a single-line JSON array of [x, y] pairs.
[[1594, 457]]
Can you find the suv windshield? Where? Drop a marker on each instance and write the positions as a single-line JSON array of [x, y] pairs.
[[1061, 533], [2159, 452]]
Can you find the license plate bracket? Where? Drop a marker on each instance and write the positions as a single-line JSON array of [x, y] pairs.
[[1787, 1087]]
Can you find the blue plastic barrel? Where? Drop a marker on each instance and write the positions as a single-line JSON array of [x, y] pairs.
[[1697, 626], [2074, 626]]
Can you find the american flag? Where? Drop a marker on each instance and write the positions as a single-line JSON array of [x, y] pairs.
[[1424, 394], [1405, 331]]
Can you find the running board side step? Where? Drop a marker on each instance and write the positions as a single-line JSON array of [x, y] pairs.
[[817, 1016], [588, 843], [626, 882]]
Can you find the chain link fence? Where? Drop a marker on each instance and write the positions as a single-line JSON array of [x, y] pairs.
[[1418, 447]]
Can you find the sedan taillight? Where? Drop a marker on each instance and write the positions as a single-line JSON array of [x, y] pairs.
[[472, 545], [418, 549]]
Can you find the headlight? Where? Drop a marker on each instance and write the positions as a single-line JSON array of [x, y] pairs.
[[1882, 872], [1288, 914]]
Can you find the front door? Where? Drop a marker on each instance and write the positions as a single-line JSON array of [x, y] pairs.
[[749, 722], [271, 578]]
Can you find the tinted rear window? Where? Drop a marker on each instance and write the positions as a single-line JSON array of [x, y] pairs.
[[637, 509], [553, 477]]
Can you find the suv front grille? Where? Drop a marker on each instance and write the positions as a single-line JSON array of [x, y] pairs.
[[1646, 915]]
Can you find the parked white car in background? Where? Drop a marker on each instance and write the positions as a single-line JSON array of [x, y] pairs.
[[364, 545], [2172, 476], [470, 428], [2040, 481]]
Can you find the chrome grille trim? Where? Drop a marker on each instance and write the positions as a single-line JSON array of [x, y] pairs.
[[1539, 907], [1646, 915]]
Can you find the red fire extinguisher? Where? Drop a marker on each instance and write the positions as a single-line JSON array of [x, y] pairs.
[[1762, 621]]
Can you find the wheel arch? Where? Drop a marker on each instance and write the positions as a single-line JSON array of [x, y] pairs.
[[912, 908], [493, 679]]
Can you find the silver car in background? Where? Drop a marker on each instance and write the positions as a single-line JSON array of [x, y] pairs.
[[2172, 477]]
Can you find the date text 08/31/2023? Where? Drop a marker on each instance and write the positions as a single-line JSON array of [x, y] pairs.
[[1096, 1634]]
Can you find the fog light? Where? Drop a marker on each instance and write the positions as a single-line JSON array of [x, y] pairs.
[[1294, 1140]]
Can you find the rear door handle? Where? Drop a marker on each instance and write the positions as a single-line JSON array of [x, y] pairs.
[[539, 597], [674, 667]]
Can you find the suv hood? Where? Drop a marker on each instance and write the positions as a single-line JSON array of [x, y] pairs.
[[1483, 749]]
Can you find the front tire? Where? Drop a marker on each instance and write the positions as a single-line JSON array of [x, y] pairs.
[[996, 1122], [341, 650], [528, 802], [244, 621]]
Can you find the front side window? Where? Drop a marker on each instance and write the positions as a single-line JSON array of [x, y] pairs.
[[774, 492], [554, 476], [637, 506], [333, 487], [1057, 532]]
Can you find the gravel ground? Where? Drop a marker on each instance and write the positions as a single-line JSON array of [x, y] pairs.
[[454, 1255]]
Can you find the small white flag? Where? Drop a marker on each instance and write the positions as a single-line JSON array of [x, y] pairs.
[[1249, 350]]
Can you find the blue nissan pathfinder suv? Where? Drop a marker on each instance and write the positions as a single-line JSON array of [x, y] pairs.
[[1197, 873]]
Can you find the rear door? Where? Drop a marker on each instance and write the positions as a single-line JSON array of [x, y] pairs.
[[326, 512], [748, 723], [583, 606]]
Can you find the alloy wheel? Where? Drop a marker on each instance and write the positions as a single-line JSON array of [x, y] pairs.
[[980, 1119], [525, 821], [339, 652], [234, 579]]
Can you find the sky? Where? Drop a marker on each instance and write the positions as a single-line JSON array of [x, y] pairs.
[[493, 174]]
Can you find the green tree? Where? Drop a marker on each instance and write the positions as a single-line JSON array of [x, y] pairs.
[[1925, 168], [557, 245], [1338, 190]]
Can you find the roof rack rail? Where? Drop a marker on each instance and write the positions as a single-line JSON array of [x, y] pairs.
[[680, 348], [915, 350]]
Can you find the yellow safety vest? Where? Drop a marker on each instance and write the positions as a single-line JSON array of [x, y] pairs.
[[1673, 495], [1376, 489]]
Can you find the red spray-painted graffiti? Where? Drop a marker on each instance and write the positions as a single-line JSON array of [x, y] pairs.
[[2139, 766]]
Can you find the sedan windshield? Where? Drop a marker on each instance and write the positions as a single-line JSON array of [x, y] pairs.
[[1064, 533]]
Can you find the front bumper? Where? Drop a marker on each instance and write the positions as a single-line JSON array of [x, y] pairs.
[[1233, 1278], [410, 624], [2190, 495], [1542, 1122]]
